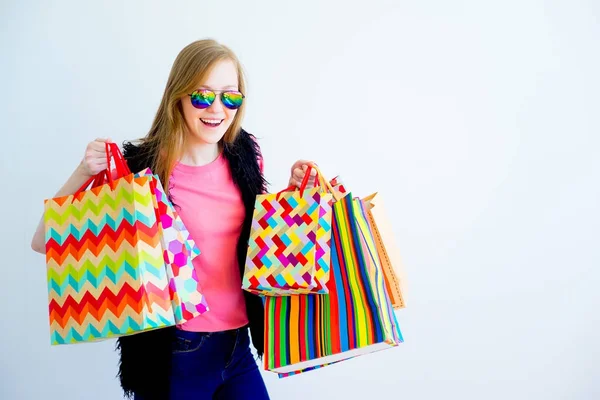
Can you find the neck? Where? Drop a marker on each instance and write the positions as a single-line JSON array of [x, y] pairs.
[[198, 153]]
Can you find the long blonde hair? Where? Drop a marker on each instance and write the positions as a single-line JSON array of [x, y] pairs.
[[164, 142]]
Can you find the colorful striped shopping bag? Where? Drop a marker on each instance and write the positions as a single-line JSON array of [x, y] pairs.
[[381, 229], [289, 245], [304, 332]]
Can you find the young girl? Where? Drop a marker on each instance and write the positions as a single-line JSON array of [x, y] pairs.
[[212, 170]]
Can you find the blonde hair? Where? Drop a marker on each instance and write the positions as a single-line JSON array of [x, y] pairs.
[[164, 142]]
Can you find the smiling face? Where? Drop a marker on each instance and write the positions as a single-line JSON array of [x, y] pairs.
[[209, 125]]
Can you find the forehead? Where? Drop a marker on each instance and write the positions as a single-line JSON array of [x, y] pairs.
[[223, 75]]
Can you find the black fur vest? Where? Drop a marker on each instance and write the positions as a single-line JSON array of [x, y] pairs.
[[144, 363]]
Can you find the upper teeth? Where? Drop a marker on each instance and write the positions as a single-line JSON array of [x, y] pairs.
[[211, 121]]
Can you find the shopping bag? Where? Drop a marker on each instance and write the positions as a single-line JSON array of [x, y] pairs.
[[290, 241], [106, 272], [391, 263], [306, 332], [387, 251], [338, 187], [179, 250]]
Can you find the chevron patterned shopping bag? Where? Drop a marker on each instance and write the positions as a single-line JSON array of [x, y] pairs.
[[289, 245], [105, 264], [307, 332]]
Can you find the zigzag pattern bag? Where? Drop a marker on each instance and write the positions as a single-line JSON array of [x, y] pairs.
[[112, 259], [289, 248]]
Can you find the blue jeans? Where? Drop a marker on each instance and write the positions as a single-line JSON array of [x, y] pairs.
[[214, 366]]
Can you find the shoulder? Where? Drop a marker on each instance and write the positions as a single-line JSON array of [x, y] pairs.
[[137, 155], [250, 141], [245, 138]]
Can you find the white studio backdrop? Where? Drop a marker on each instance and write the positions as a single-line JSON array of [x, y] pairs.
[[477, 120]]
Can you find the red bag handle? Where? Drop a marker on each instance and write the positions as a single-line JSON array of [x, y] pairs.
[[319, 181], [112, 152], [303, 184], [120, 163]]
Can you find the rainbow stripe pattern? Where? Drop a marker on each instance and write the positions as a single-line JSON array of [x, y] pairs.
[[307, 332], [290, 244], [105, 264], [387, 250]]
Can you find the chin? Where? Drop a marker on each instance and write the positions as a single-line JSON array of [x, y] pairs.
[[210, 139], [212, 136]]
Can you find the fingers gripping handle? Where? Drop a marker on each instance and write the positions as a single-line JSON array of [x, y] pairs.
[[122, 169], [319, 181]]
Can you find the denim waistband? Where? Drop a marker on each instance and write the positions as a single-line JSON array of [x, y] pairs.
[[228, 332]]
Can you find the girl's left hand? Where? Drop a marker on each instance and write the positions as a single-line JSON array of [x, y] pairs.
[[299, 171]]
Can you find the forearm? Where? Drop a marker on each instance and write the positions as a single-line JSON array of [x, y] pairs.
[[75, 181]]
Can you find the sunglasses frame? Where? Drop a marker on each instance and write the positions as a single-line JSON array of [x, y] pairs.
[[217, 93]]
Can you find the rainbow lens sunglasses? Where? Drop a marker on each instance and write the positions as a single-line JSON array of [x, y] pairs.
[[203, 98]]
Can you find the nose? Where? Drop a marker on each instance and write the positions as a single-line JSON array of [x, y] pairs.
[[216, 106]]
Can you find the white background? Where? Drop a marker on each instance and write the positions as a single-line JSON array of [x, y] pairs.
[[477, 120]]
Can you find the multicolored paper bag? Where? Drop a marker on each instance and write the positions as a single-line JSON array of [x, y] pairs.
[[338, 187], [387, 250], [104, 256], [290, 240], [305, 332], [391, 263], [179, 250], [105, 267]]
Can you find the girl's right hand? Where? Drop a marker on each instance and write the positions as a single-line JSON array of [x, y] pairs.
[[94, 159]]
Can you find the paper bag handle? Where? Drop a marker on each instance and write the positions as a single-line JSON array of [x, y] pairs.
[[112, 152], [319, 181]]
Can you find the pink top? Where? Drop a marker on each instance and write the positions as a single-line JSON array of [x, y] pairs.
[[211, 207]]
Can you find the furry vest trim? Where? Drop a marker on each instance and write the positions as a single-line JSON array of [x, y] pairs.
[[145, 358]]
